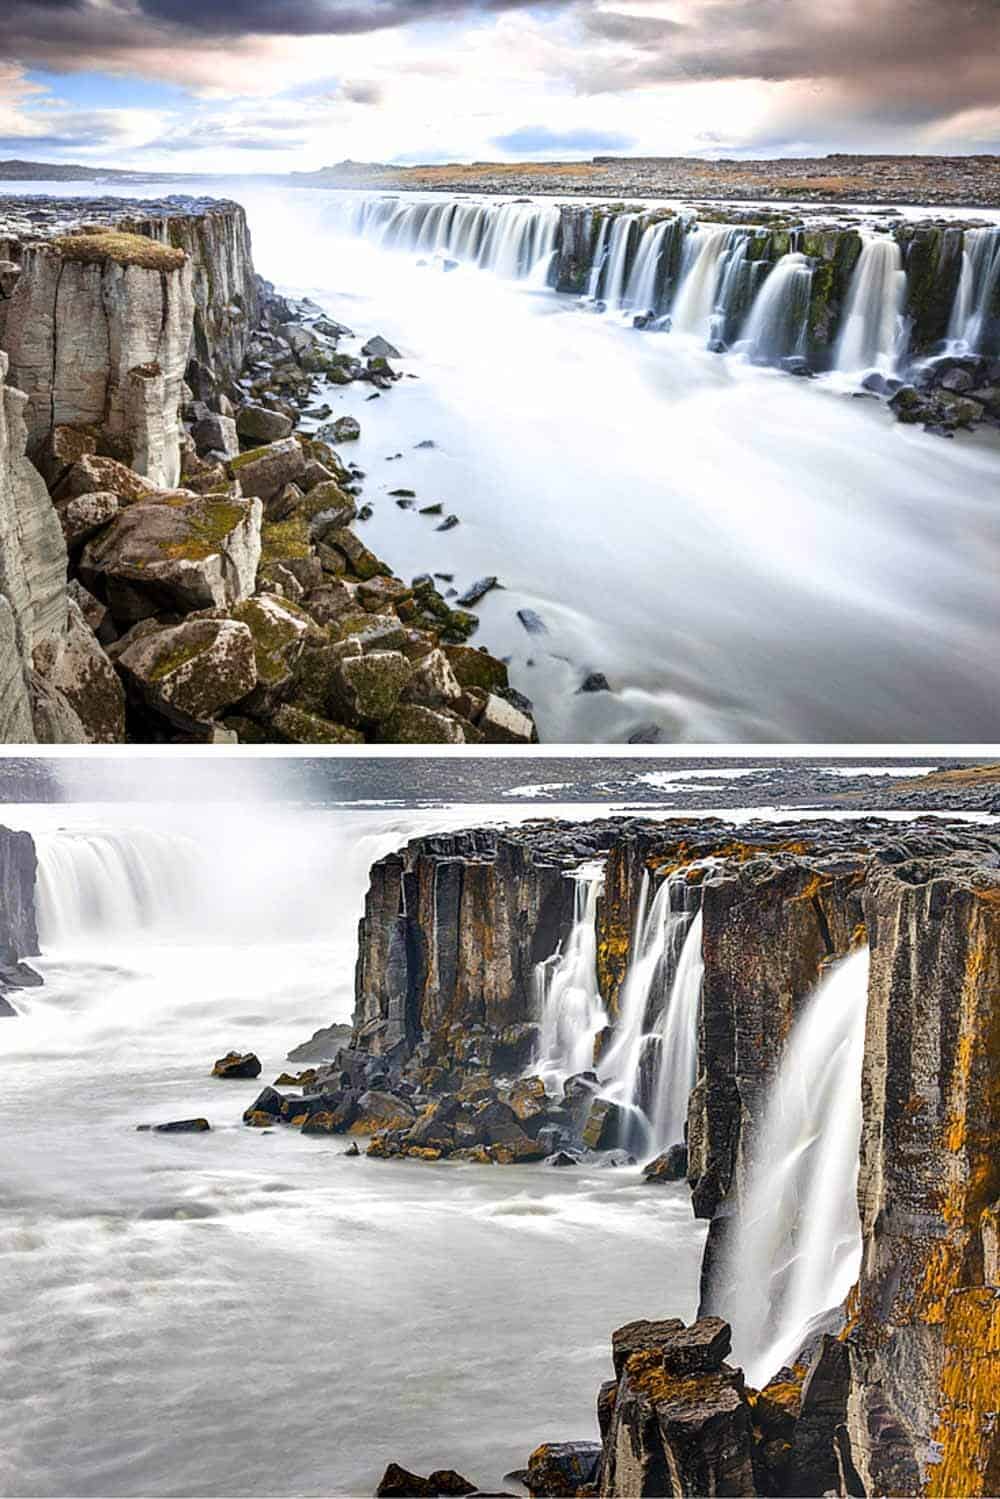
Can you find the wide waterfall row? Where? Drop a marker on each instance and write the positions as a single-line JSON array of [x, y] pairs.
[[646, 1062], [95, 885], [793, 1249], [822, 298]]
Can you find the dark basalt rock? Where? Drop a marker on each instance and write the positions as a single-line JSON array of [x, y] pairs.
[[178, 1127], [237, 1064], [559, 1470], [399, 1483], [671, 1166]]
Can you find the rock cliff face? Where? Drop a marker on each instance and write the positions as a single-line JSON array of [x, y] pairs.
[[98, 332], [903, 1400], [33, 601], [18, 931], [452, 930]]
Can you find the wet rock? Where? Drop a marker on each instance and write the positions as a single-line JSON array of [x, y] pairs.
[[448, 524], [477, 591], [380, 348], [268, 1102], [378, 1110], [606, 1125], [399, 1483], [237, 1064], [178, 1127], [559, 1470], [595, 681], [344, 429], [532, 622], [671, 1166]]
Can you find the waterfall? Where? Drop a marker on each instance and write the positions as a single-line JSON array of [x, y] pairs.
[[679, 1043], [600, 256], [613, 280], [777, 324], [514, 240], [118, 882], [870, 333], [628, 1070], [641, 290], [977, 297], [793, 1250], [707, 254], [567, 1000]]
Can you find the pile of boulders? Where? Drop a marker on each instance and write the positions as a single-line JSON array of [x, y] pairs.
[[944, 394], [429, 1106], [242, 605]]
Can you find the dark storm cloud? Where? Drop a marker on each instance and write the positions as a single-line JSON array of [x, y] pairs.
[[912, 60], [73, 33]]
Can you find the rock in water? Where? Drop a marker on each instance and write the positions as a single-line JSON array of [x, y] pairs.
[[477, 590], [380, 348], [399, 1483], [532, 622], [177, 1127], [559, 1469], [237, 1064], [671, 1166]]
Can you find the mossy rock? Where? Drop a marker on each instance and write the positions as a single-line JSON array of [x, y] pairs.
[[120, 248], [283, 541], [278, 628], [299, 727], [475, 668]]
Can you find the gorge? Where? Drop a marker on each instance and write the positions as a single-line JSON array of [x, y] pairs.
[[812, 1001], [794, 503]]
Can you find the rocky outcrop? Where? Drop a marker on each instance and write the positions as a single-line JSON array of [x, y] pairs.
[[18, 929], [98, 332]]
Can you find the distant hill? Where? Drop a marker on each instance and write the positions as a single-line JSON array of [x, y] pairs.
[[57, 171]]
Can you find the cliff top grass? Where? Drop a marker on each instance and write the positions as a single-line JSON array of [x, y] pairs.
[[95, 247]]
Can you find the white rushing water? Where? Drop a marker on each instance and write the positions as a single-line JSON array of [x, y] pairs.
[[252, 1313], [871, 334], [777, 325], [649, 1067], [793, 1250], [744, 556]]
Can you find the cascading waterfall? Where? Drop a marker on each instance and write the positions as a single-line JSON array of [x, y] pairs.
[[600, 256], [641, 290], [870, 333], [977, 293], [777, 325], [679, 1043], [568, 1002], [91, 885], [613, 281], [793, 1250], [514, 240], [628, 1072], [707, 253]]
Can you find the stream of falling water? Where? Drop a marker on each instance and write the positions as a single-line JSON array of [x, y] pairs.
[[793, 1249]]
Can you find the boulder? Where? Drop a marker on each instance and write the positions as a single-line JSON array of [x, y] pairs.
[[178, 1127], [378, 1110], [671, 1166], [77, 668], [192, 671], [258, 424], [263, 472], [501, 723], [559, 1470], [433, 682], [92, 474], [606, 1125], [217, 435], [380, 348], [299, 727], [180, 553], [237, 1064], [366, 689], [399, 1483], [414, 724], [82, 516], [344, 429]]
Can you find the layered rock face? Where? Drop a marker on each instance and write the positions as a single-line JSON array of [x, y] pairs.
[[98, 332], [33, 599], [18, 930]]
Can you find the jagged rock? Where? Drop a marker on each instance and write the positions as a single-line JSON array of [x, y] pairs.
[[380, 1111], [181, 553], [379, 348], [237, 1064], [559, 1470], [299, 727], [95, 474], [279, 629], [415, 724], [82, 516], [77, 668], [399, 1483], [190, 672], [367, 689], [671, 1166], [217, 435], [98, 332], [93, 611], [344, 429], [259, 424], [476, 668], [502, 723], [264, 472], [606, 1125]]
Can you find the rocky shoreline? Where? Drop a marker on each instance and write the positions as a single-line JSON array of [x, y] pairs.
[[179, 553]]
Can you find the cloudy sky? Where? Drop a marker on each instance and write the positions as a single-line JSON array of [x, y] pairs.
[[272, 85]]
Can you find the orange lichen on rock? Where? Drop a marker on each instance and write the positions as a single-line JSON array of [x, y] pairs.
[[968, 1430]]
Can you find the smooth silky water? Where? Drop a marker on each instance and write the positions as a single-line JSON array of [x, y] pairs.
[[253, 1313]]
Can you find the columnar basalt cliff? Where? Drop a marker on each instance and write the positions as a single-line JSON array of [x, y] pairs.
[[895, 1392]]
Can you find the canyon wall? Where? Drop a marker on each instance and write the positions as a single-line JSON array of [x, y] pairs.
[[903, 1399], [18, 928]]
